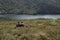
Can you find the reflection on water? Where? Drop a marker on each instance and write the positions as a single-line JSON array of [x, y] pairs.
[[13, 16]]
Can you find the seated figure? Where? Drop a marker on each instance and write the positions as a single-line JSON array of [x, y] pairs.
[[20, 24]]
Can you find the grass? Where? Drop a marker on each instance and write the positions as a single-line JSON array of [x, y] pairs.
[[33, 30]]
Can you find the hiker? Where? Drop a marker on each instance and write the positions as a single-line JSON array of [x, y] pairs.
[[20, 24]]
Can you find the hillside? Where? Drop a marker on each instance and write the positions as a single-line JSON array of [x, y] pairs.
[[30, 6]]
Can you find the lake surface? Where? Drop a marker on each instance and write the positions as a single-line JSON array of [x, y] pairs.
[[13, 16]]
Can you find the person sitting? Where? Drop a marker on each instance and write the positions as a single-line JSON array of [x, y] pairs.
[[20, 24]]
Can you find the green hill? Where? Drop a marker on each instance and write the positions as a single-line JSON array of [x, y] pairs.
[[30, 6]]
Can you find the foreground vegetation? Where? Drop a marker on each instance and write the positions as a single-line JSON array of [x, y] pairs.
[[34, 30]]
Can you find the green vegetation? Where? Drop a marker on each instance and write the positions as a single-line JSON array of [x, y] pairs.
[[30, 6], [33, 30]]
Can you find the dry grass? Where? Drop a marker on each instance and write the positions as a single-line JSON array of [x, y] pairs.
[[33, 30]]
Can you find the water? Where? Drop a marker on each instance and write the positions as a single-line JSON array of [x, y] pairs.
[[13, 16]]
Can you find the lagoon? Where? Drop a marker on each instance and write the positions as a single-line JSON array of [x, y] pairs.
[[14, 16]]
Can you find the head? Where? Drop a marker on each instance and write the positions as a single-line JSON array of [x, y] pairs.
[[18, 22], [21, 22]]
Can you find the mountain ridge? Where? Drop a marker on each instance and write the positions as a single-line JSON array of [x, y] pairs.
[[30, 6]]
